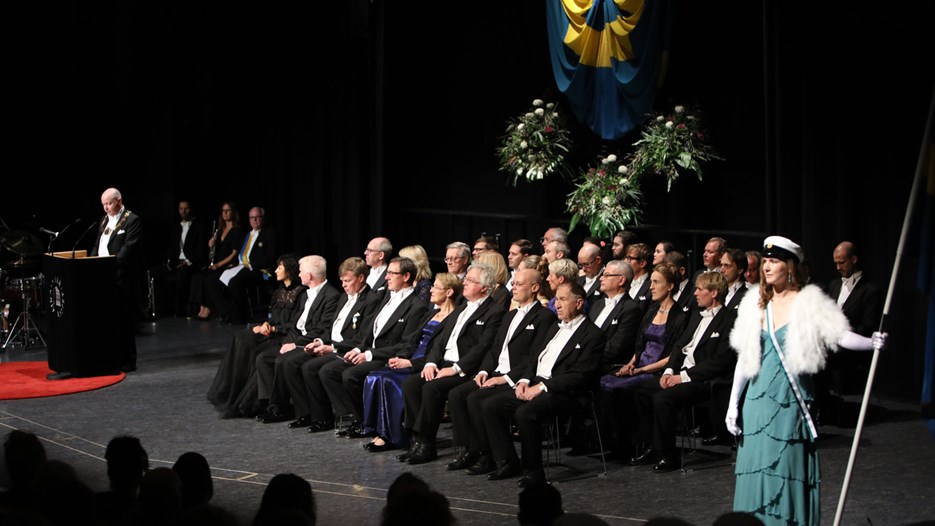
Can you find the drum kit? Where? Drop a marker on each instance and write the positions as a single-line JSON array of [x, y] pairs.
[[20, 283]]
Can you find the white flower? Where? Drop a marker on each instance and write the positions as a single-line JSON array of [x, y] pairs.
[[519, 171], [611, 158], [606, 201], [529, 114], [605, 161], [679, 109], [539, 174], [669, 124], [524, 145], [555, 114], [520, 126], [537, 102], [540, 112], [550, 106], [623, 169], [624, 181], [659, 118]]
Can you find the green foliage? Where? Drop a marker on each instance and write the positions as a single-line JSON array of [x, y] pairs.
[[535, 144]]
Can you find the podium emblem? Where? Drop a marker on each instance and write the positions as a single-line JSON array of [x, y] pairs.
[[56, 297]]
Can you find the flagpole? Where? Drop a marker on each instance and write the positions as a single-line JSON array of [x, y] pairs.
[[913, 197]]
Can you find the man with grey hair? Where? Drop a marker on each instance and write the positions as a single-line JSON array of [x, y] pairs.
[[554, 234], [313, 319], [378, 252], [591, 264], [453, 357], [256, 261], [617, 314], [555, 250], [457, 257]]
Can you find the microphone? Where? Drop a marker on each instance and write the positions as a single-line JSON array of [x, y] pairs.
[[55, 235], [93, 224]]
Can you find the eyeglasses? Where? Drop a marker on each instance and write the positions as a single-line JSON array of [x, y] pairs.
[[452, 260], [436, 287], [631, 258], [471, 280], [585, 264], [394, 273], [371, 250], [609, 275]]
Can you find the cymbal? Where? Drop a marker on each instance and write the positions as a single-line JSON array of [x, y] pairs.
[[21, 243]]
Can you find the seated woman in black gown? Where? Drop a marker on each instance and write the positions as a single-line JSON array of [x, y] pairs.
[[661, 326], [233, 391], [383, 389], [224, 245]]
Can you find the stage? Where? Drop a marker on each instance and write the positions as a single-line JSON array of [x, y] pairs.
[[163, 403]]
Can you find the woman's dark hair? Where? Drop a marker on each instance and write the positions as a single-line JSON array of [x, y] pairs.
[[290, 262]]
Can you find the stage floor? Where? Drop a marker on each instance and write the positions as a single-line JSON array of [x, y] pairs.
[[163, 403]]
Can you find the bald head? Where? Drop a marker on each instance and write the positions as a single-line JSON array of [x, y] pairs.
[[526, 285], [845, 259], [112, 201]]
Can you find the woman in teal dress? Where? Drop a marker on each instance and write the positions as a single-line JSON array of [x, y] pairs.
[[782, 334]]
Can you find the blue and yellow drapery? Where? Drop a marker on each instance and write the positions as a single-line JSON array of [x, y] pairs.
[[606, 58]]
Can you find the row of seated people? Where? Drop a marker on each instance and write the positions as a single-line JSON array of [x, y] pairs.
[[392, 360]]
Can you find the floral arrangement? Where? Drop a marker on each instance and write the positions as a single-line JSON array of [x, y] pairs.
[[607, 198], [670, 142], [535, 144]]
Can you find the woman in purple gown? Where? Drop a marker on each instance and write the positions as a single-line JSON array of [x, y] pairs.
[[661, 326], [383, 391]]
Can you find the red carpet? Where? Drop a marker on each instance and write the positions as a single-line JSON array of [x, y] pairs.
[[27, 380]]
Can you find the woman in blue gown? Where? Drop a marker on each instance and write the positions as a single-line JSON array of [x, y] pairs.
[[383, 392]]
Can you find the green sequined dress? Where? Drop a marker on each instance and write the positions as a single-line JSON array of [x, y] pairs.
[[777, 463]]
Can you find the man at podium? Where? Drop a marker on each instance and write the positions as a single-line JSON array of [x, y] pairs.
[[120, 234]]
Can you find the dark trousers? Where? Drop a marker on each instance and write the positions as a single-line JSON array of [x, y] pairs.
[[308, 395], [659, 409], [344, 384], [234, 304], [467, 418], [175, 283], [529, 417], [270, 370], [425, 403]]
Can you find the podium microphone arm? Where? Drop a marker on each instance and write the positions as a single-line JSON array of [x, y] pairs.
[[93, 224]]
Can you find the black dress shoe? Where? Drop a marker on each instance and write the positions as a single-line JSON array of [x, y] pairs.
[[651, 456], [426, 453], [505, 469], [355, 427], [303, 421], [413, 448], [272, 417], [535, 476], [375, 448], [319, 426], [465, 460], [666, 465], [483, 466], [360, 432]]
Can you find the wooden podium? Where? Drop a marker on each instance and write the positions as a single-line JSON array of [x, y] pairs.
[[83, 308]]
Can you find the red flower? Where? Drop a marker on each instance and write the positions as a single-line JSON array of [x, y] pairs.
[[680, 127], [548, 129]]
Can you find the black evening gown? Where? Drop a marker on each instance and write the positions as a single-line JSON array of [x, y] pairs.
[[234, 389]]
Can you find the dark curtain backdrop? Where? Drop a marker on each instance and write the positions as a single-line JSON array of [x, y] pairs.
[[351, 119]]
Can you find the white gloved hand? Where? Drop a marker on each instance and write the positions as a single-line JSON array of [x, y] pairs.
[[733, 413], [878, 340]]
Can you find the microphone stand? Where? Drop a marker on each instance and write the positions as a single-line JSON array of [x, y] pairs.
[[75, 246]]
